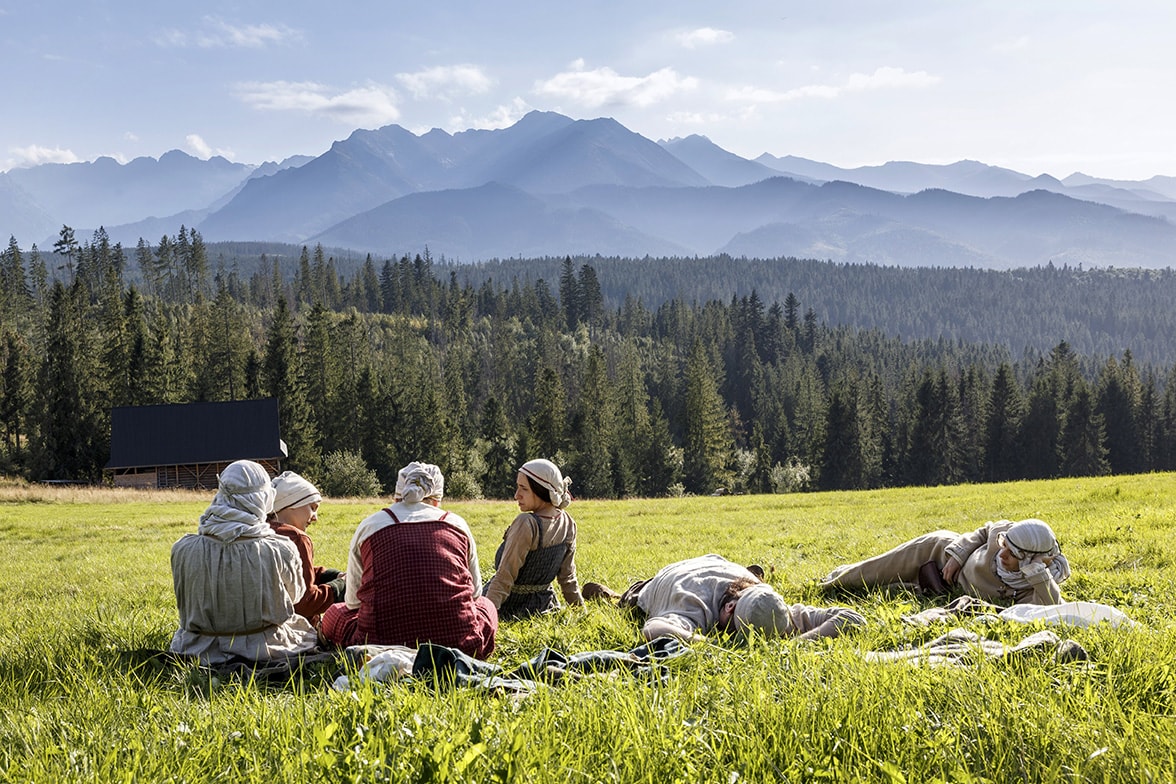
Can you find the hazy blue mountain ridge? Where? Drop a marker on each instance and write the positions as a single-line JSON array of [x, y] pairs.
[[716, 164], [550, 185], [22, 215], [490, 221], [106, 192]]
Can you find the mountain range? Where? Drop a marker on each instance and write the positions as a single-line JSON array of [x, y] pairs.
[[553, 186]]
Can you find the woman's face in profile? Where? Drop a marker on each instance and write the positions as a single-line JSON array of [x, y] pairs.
[[524, 496]]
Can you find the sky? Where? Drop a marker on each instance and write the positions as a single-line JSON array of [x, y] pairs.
[[1038, 87]]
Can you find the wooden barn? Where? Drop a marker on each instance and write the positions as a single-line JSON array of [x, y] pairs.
[[187, 445]]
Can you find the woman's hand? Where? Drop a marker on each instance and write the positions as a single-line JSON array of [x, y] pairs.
[[951, 570]]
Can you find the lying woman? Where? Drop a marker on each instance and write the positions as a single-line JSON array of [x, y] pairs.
[[1001, 561]]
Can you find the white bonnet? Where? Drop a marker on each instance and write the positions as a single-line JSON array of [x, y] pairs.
[[1028, 538], [761, 608], [547, 474], [418, 481], [292, 490]]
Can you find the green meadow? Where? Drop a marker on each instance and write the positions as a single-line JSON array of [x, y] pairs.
[[89, 589]]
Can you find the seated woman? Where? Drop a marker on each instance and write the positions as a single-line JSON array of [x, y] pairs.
[[412, 575], [538, 547], [296, 503], [1001, 561], [236, 580]]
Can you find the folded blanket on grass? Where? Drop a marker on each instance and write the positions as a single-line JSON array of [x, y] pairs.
[[444, 666], [1066, 613], [960, 647]]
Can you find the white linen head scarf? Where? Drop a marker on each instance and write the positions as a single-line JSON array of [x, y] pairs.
[[293, 491], [547, 474], [417, 482], [1027, 540], [244, 498]]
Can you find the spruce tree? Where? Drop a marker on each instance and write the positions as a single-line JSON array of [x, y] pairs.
[[547, 424], [1117, 403], [594, 431], [1081, 444], [71, 440], [283, 380], [1006, 410], [707, 445]]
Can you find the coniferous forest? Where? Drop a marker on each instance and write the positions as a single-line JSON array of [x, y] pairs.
[[640, 377]]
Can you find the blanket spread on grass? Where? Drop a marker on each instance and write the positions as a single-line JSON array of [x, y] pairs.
[[444, 666], [960, 647], [1066, 613]]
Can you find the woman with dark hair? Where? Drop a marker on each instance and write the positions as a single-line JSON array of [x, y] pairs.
[[537, 548]]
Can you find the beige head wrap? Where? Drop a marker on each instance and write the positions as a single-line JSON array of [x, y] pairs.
[[292, 491], [419, 481], [547, 474], [761, 608], [244, 498]]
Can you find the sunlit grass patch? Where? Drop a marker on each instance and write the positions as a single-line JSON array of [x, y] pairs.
[[83, 698]]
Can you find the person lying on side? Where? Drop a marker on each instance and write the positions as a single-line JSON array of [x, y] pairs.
[[1003, 561]]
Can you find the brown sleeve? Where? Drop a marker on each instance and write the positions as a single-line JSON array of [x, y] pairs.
[[569, 586], [317, 597]]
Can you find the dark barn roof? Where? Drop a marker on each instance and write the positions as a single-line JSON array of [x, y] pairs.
[[188, 433]]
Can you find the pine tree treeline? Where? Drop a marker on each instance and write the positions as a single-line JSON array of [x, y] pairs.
[[397, 363]]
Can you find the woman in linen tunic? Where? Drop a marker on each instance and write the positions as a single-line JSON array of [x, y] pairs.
[[1001, 561], [236, 580], [538, 547]]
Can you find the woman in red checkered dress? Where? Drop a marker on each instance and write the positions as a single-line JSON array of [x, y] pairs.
[[413, 577]]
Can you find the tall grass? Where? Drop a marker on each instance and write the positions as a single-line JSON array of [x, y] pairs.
[[89, 590]]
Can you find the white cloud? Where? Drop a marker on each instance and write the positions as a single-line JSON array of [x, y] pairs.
[[130, 136], [705, 36], [35, 155], [194, 143], [503, 116], [604, 86], [370, 104], [695, 118], [218, 34], [197, 146], [446, 81], [882, 79]]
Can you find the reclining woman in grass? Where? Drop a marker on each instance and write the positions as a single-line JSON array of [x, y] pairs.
[[296, 503], [537, 548], [690, 598], [412, 575], [236, 580], [999, 561]]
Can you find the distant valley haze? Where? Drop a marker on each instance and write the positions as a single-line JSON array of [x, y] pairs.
[[549, 185]]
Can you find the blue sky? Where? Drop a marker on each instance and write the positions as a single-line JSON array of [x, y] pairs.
[[1040, 87]]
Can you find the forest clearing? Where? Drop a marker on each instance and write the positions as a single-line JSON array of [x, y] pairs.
[[80, 701]]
